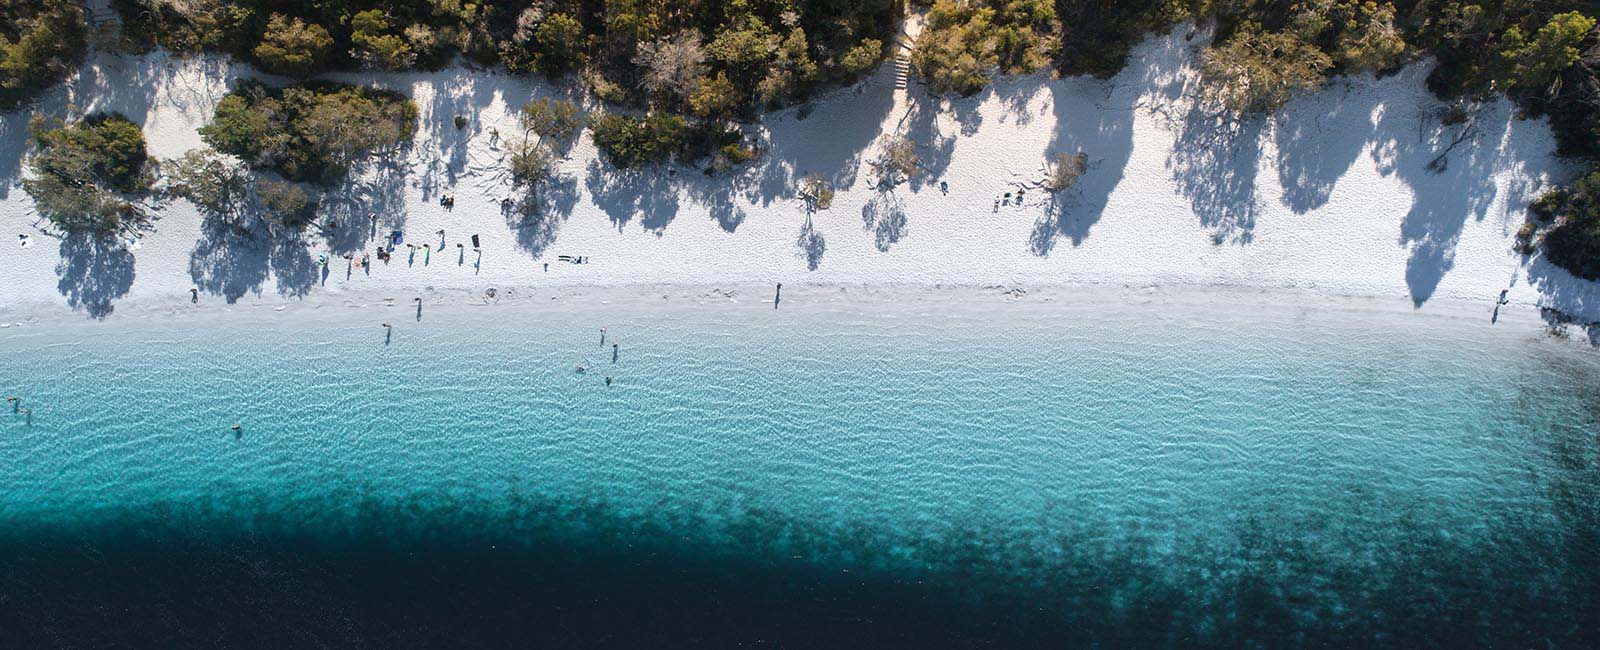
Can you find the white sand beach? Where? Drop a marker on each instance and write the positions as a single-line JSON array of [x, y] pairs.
[[1357, 190]]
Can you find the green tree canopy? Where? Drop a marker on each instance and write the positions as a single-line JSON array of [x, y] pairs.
[[312, 132], [1255, 70], [39, 42], [291, 46], [86, 176]]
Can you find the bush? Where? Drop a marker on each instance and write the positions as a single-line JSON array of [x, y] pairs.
[[1255, 70], [814, 190], [629, 142], [85, 176], [1574, 242], [551, 119], [39, 42], [312, 132], [964, 43], [283, 203], [1064, 170], [292, 47]]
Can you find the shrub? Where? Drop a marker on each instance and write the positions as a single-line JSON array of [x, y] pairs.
[[291, 46], [1064, 169], [814, 190], [966, 42], [630, 142], [550, 119], [1255, 70], [85, 175], [312, 132], [1574, 242]]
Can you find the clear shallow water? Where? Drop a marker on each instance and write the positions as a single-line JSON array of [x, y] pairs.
[[989, 474]]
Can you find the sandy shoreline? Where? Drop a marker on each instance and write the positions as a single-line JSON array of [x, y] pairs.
[[1334, 197], [801, 299]]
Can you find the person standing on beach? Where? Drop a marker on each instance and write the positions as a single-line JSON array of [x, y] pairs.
[[194, 296], [777, 296]]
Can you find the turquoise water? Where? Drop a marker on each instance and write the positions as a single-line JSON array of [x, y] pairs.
[[1009, 472]]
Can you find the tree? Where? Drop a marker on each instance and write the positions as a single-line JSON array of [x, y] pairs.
[[546, 123], [560, 39], [862, 57], [531, 164], [1574, 242], [550, 119], [86, 176], [1370, 40], [38, 42], [220, 187], [791, 70], [293, 47], [746, 47], [1258, 71], [376, 45], [283, 203], [965, 42], [898, 161], [227, 192], [1534, 65], [672, 66], [630, 142], [715, 97], [311, 132]]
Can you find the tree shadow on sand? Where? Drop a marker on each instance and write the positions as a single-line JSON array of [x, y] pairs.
[[1318, 137], [811, 244], [625, 193], [828, 136], [1095, 117], [1452, 176], [230, 261], [354, 213], [94, 272], [537, 217], [1214, 162], [885, 217]]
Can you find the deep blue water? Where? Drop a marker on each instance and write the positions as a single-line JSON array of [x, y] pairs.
[[995, 475]]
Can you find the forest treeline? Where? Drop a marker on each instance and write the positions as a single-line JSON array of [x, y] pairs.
[[691, 67]]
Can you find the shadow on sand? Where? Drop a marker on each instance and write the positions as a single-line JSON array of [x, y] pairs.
[[94, 272]]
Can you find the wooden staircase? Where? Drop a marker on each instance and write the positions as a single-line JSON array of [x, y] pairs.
[[904, 40]]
